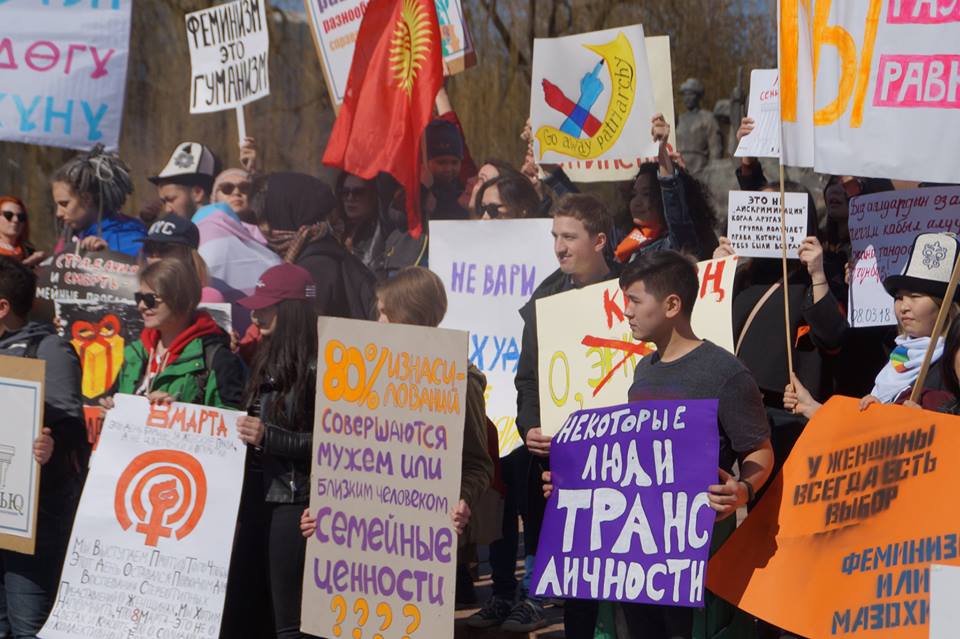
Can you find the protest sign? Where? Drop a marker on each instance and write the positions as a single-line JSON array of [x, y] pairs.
[[882, 229], [753, 223], [229, 55], [658, 57], [587, 351], [64, 72], [105, 276], [639, 472], [335, 26], [944, 594], [387, 438], [21, 396], [886, 77], [857, 511], [764, 109], [490, 269], [592, 97], [152, 538]]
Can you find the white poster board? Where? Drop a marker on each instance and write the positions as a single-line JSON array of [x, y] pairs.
[[764, 109], [661, 73], [490, 269], [591, 97], [753, 223], [885, 93], [944, 594], [229, 55], [64, 69], [882, 229], [152, 538], [21, 396], [335, 26]]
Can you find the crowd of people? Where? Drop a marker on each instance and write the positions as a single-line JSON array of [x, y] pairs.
[[284, 248]]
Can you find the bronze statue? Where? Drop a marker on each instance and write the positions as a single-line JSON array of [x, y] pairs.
[[698, 134]]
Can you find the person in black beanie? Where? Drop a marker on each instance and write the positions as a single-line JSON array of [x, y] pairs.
[[444, 156]]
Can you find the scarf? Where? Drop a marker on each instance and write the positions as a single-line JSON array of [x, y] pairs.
[[903, 369]]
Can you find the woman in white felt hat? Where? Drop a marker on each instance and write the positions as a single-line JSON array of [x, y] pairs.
[[918, 294]]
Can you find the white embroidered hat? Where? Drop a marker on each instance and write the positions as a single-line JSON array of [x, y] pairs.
[[929, 266]]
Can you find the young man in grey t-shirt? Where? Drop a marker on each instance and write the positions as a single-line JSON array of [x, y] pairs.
[[660, 290]]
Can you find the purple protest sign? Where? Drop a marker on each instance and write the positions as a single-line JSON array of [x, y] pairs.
[[629, 519]]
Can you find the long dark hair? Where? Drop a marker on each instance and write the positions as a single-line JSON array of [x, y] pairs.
[[948, 370], [286, 363]]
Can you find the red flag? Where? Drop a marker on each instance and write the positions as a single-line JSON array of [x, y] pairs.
[[396, 73]]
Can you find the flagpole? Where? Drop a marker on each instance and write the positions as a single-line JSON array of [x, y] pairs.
[[783, 255]]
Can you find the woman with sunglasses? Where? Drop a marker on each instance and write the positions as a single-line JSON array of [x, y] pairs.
[[359, 215], [283, 387], [233, 187], [15, 232], [506, 197], [182, 355]]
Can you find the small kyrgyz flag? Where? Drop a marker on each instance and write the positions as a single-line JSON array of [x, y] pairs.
[[396, 73]]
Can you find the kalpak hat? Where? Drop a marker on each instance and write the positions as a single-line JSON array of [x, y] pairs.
[[929, 266]]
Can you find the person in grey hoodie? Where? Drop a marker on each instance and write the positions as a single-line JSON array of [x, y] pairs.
[[28, 583]]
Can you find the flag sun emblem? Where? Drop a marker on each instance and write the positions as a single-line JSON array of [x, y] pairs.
[[409, 45]]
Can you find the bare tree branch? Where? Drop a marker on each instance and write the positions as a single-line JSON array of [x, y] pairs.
[[491, 8]]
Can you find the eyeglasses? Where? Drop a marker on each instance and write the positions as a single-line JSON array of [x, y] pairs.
[[149, 300], [491, 210], [21, 217], [244, 188], [357, 192]]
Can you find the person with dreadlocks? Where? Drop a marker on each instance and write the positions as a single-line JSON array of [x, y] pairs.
[[89, 190]]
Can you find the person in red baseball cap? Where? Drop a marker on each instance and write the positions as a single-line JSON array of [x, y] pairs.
[[280, 399]]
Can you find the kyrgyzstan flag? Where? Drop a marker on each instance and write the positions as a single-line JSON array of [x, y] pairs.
[[396, 73]]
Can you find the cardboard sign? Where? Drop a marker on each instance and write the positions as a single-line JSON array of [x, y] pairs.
[[21, 396], [592, 97], [388, 439], [753, 223], [629, 518], [104, 276], [587, 351], [658, 57], [490, 269], [764, 109], [885, 103], [882, 229], [857, 511], [944, 593], [152, 538], [229, 55], [64, 72], [335, 26]]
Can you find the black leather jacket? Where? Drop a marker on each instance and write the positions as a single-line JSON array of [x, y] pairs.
[[287, 450]]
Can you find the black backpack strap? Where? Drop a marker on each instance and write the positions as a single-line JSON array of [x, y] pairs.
[[210, 350], [33, 346]]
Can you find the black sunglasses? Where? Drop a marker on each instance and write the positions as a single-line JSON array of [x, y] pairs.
[[21, 217], [244, 188], [492, 210], [357, 192], [149, 300]]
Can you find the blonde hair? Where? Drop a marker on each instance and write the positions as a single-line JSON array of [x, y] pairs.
[[176, 283], [415, 295]]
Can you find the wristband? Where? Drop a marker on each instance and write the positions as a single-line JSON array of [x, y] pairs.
[[823, 283], [751, 493]]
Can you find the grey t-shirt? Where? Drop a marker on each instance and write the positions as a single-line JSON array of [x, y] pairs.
[[709, 372]]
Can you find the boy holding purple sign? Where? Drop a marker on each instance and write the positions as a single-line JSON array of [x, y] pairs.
[[660, 289]]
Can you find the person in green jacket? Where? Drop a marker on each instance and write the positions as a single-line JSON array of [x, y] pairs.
[[182, 355]]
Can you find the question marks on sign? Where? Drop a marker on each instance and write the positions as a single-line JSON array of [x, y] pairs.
[[412, 612], [361, 606], [385, 613], [340, 603]]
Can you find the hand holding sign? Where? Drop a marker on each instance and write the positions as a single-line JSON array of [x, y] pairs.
[[725, 498]]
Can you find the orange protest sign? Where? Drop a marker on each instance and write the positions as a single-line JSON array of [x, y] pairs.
[[841, 544]]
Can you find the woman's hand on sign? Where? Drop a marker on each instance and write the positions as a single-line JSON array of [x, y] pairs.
[[106, 403], [460, 516], [34, 259], [93, 243], [308, 524], [250, 429], [725, 498], [537, 443], [912, 404], [659, 129], [811, 255], [43, 446], [724, 249], [746, 128], [798, 400], [867, 401], [248, 154], [547, 484]]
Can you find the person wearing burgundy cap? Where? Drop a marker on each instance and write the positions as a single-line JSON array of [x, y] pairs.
[[281, 398]]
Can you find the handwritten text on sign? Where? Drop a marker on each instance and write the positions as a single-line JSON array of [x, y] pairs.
[[753, 223], [629, 519], [588, 353], [151, 543], [229, 48], [857, 510], [386, 474], [64, 68]]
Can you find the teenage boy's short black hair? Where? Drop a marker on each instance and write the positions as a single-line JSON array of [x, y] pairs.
[[18, 285], [664, 273]]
